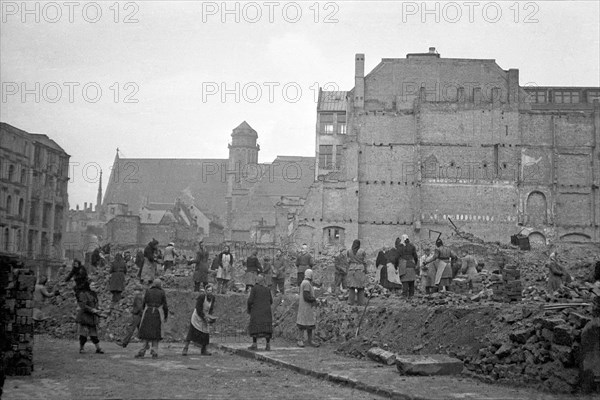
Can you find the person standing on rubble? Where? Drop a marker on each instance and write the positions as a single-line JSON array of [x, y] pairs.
[[389, 273], [304, 261], [443, 268], [306, 319], [148, 273], [154, 318], [169, 256], [201, 267], [357, 274], [556, 273], [225, 265], [429, 272], [409, 259], [253, 268], [136, 314], [341, 272], [279, 264], [79, 275], [116, 283]]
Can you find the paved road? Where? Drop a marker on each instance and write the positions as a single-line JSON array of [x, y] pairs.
[[62, 373]]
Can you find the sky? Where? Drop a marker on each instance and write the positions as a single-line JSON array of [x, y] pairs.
[[172, 79]]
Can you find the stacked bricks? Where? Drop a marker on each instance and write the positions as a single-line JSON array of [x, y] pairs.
[[477, 283], [510, 288], [17, 320], [460, 285]]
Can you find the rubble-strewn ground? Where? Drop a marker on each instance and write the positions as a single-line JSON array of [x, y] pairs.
[[516, 343]]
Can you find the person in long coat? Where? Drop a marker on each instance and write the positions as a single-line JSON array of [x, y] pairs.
[[341, 272], [201, 267], [40, 294], [267, 271], [137, 308], [199, 331], [253, 268], [225, 266], [148, 273], [116, 283], [88, 317], [79, 275], [306, 319], [409, 260], [261, 318], [279, 267], [357, 274], [389, 273], [556, 274], [155, 315], [429, 271]]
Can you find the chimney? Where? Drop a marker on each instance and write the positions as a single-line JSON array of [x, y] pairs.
[[432, 50], [359, 81], [85, 206], [77, 207], [513, 85]]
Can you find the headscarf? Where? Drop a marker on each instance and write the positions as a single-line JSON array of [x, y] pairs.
[[260, 279], [308, 274], [439, 243], [397, 243], [404, 238], [355, 246], [157, 283]]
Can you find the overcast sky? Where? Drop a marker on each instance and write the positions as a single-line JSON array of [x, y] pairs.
[[161, 67]]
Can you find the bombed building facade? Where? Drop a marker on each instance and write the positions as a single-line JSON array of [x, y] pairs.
[[424, 141]]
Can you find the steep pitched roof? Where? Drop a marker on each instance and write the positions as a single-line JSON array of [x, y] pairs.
[[139, 181], [244, 129]]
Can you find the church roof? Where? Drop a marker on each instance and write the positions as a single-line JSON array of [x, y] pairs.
[[140, 181], [244, 129]]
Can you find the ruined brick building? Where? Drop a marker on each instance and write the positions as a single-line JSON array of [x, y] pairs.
[[241, 199], [424, 139]]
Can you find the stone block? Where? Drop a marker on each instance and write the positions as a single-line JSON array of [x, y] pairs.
[[563, 335], [426, 365], [521, 336]]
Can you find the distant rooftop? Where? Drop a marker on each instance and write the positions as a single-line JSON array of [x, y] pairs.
[[332, 101]]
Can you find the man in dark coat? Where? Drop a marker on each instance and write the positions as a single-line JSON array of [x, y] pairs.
[[87, 317], [261, 318], [409, 261], [201, 268], [148, 273], [155, 315]]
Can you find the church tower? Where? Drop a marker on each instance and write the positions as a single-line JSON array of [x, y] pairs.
[[243, 149]]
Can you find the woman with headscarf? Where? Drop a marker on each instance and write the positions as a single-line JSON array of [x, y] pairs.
[[225, 262], [155, 315], [79, 275], [253, 268], [556, 273], [392, 279], [87, 317], [409, 259], [357, 274], [443, 268], [380, 263], [199, 331], [430, 272], [306, 319], [116, 283], [261, 318]]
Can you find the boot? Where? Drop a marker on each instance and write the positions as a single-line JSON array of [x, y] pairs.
[[301, 339], [204, 352], [268, 347], [310, 340], [352, 297], [154, 353], [184, 351], [253, 346]]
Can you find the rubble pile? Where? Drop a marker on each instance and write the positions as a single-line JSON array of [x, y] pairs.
[[509, 288], [543, 350], [17, 321]]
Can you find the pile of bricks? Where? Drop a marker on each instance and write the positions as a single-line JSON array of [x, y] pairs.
[[460, 285], [477, 283], [510, 288], [17, 320]]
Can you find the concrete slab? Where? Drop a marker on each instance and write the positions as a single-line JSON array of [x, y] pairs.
[[428, 365]]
